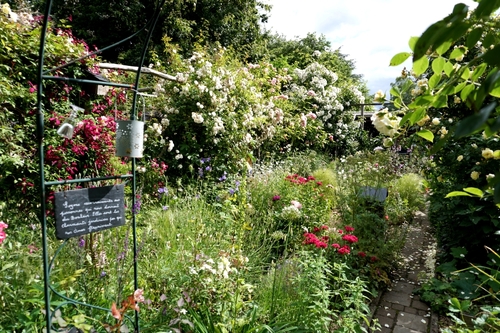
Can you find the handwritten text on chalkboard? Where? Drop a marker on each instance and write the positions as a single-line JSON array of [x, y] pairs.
[[80, 212]]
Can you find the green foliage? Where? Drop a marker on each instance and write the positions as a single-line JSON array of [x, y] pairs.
[[187, 23]]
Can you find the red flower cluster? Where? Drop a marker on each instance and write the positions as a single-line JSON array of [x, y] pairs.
[[350, 238], [296, 179], [321, 242], [344, 249]]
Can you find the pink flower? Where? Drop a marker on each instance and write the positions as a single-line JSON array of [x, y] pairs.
[[350, 238], [311, 115], [138, 296], [373, 259], [349, 228], [361, 254], [276, 198], [296, 204], [335, 245], [3, 225], [344, 250], [3, 235]]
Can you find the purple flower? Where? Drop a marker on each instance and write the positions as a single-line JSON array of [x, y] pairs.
[[162, 190], [81, 242], [205, 160], [200, 172], [103, 274], [208, 168], [231, 191], [137, 207], [276, 198], [165, 207], [223, 177]]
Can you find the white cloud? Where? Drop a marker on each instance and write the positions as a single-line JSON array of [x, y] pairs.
[[369, 32]]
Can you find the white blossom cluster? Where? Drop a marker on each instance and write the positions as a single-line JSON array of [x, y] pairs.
[[315, 86], [386, 122]]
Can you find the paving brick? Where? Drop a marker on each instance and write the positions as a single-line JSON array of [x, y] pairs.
[[411, 310], [398, 298], [398, 307], [399, 329], [414, 322], [404, 287], [389, 321], [419, 305]]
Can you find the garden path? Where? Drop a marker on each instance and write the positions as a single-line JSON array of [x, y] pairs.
[[398, 310]]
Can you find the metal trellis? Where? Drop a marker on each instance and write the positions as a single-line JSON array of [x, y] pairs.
[[44, 74]]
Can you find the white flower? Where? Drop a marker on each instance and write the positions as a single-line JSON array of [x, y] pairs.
[[379, 96], [490, 176], [316, 54], [474, 175], [165, 122], [178, 156], [487, 153], [197, 117], [248, 138], [170, 145], [436, 121], [460, 158], [157, 128], [385, 122]]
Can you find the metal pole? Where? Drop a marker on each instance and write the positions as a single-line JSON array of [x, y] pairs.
[[132, 117], [39, 136]]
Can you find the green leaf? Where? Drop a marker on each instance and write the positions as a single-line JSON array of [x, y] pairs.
[[478, 71], [434, 80], [438, 65], [422, 100], [466, 74], [448, 68], [445, 46], [426, 134], [492, 56], [441, 101], [412, 42], [486, 7], [418, 115], [466, 91], [420, 65], [473, 37], [399, 58], [474, 122], [495, 91], [458, 194], [459, 87], [457, 52], [474, 190], [395, 91]]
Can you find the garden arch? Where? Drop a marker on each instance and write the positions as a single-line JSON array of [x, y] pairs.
[[45, 74]]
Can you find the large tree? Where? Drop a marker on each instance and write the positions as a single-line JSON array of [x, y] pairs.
[[232, 23]]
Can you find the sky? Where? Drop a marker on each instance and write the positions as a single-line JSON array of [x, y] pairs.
[[369, 32]]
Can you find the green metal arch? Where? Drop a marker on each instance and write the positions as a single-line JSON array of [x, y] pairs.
[[43, 184]]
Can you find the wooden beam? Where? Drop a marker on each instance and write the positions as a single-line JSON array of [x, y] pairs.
[[145, 70]]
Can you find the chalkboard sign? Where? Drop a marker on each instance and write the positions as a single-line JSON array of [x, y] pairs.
[[80, 212], [373, 193]]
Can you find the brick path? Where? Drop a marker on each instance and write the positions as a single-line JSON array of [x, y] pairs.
[[398, 310]]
